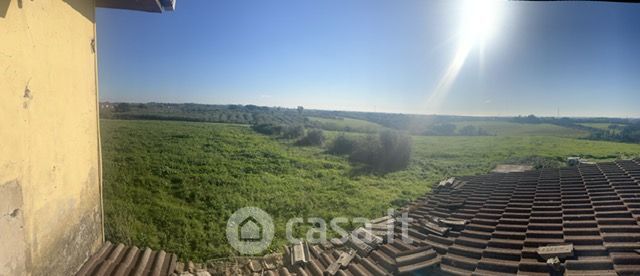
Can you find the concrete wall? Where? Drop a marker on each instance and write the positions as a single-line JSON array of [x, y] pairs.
[[50, 188]]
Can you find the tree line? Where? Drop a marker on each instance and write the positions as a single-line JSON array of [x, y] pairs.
[[619, 130], [451, 130], [618, 133], [235, 114], [434, 125]]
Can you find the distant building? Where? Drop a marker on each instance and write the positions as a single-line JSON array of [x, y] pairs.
[[50, 170]]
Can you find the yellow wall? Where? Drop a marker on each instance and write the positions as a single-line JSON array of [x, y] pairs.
[[50, 193]]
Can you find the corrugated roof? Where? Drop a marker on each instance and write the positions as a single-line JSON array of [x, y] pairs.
[[495, 224], [121, 260]]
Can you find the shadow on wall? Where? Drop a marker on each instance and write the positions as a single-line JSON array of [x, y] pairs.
[[88, 11], [4, 6], [79, 5]]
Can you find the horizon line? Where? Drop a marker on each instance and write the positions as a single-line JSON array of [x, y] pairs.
[[385, 112]]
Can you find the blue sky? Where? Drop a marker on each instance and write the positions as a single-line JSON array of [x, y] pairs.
[[375, 55]]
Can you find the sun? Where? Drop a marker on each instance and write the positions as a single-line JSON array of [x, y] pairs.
[[479, 20]]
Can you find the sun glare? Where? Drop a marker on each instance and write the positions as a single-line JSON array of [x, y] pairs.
[[479, 20]]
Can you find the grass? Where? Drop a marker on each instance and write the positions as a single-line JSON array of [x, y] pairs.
[[347, 124], [468, 155], [173, 185], [601, 126], [501, 128]]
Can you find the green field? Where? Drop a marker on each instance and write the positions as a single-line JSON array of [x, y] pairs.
[[502, 128], [173, 185], [601, 126], [347, 124]]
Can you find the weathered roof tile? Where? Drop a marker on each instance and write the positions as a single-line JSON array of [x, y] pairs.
[[502, 221], [122, 260]]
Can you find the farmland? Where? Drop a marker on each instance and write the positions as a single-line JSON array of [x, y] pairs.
[[501, 128], [346, 124], [601, 126], [173, 185]]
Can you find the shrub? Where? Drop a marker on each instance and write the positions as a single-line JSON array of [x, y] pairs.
[[293, 132], [389, 151], [268, 129], [122, 107], [395, 151], [366, 151], [468, 131], [313, 138], [472, 131], [441, 130], [342, 145]]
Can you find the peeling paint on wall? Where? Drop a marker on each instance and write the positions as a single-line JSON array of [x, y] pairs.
[[14, 248], [27, 96], [71, 246], [49, 166]]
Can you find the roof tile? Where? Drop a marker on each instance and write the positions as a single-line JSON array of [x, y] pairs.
[[592, 207]]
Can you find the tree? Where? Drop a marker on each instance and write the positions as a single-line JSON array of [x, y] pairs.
[[268, 129], [395, 151], [472, 131], [389, 151], [342, 145], [468, 131], [122, 107], [442, 130], [314, 137], [293, 132]]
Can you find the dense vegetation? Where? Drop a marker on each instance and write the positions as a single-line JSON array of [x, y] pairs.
[[345, 124], [609, 129], [314, 137], [449, 129], [235, 114], [389, 151], [619, 133], [386, 152], [173, 185]]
